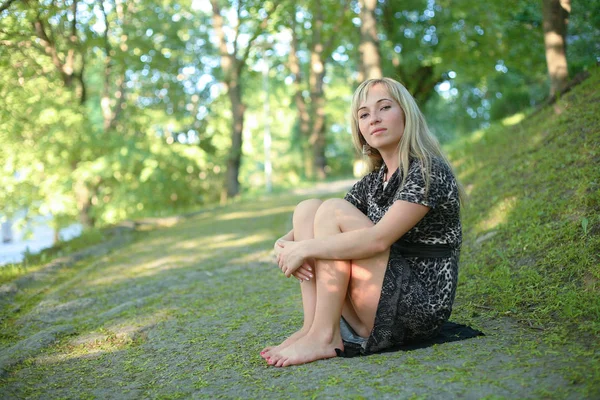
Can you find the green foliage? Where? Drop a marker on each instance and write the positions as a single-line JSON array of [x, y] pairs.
[[107, 148], [96, 116], [583, 48], [532, 244]]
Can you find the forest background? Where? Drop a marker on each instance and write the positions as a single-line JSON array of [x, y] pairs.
[[115, 110]]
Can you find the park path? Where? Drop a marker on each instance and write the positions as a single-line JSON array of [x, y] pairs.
[[182, 310]]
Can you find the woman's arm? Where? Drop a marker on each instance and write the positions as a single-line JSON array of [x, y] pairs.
[[358, 244], [365, 243], [288, 236]]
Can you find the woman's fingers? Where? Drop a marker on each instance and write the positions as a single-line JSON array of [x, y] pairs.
[[305, 272], [302, 277]]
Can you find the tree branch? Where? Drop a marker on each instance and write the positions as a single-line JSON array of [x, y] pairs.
[[336, 28], [49, 46], [237, 27], [107, 113], [259, 30], [227, 59], [6, 5], [79, 76]]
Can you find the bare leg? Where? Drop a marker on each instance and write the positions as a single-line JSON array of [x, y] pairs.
[[352, 286], [303, 224]]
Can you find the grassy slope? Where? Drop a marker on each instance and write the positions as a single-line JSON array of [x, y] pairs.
[[532, 186], [183, 311]]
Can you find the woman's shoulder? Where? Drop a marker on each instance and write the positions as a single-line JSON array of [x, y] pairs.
[[434, 172], [437, 165]]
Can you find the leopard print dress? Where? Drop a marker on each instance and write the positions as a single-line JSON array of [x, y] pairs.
[[417, 292]]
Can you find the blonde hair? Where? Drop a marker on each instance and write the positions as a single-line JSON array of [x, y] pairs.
[[417, 141]]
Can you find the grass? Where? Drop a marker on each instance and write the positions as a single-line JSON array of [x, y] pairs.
[[182, 311], [532, 225]]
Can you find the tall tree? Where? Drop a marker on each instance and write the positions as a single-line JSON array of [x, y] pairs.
[[321, 41], [370, 65], [556, 17], [234, 55]]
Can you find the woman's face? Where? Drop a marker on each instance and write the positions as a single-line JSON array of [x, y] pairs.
[[381, 120]]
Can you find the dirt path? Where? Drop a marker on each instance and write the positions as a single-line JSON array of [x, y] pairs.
[[183, 311]]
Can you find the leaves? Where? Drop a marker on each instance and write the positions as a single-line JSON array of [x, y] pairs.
[[584, 225], [117, 109]]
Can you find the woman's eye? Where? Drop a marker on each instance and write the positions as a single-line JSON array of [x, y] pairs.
[[386, 107], [361, 116]]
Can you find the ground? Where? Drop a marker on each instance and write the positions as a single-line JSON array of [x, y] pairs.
[[183, 311]]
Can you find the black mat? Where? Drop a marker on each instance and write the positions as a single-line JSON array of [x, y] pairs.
[[450, 332]]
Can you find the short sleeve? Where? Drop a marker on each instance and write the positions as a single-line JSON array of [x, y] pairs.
[[357, 195], [413, 190]]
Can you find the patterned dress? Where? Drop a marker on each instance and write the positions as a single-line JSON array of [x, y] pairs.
[[418, 290]]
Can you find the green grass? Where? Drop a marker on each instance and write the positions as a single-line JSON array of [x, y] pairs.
[[534, 193]]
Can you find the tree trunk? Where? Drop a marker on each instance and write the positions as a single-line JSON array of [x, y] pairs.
[[420, 83], [235, 154], [317, 136], [556, 16], [301, 106], [369, 41], [111, 102], [232, 65], [83, 196], [229, 65], [318, 156], [317, 96], [312, 116]]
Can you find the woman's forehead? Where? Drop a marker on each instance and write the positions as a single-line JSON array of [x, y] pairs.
[[376, 92]]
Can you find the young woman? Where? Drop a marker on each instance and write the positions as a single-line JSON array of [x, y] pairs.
[[378, 268]]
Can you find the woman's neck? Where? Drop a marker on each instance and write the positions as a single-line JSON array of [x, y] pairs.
[[391, 162]]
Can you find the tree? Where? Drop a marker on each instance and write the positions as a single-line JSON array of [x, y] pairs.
[[370, 65], [49, 37], [556, 18], [94, 108], [320, 41], [233, 63]]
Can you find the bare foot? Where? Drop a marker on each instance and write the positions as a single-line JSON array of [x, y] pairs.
[[309, 348], [270, 350]]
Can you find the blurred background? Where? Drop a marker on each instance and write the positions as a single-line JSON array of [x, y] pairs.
[[115, 110]]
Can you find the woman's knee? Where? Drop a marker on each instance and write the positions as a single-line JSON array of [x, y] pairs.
[[332, 209], [342, 214], [306, 210]]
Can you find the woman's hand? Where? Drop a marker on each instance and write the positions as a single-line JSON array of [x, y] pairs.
[[292, 260]]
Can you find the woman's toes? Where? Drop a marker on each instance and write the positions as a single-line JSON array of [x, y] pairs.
[[281, 362]]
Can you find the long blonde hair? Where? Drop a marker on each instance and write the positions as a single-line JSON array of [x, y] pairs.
[[417, 141]]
